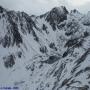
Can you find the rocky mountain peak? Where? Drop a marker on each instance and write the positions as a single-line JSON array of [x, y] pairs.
[[2, 9], [59, 10], [56, 16]]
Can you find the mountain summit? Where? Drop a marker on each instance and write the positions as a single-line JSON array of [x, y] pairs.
[[57, 15]]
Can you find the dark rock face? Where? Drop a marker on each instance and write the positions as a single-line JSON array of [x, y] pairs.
[[35, 36], [16, 35], [72, 27], [43, 49], [79, 62], [19, 54], [13, 35], [71, 42], [61, 25], [51, 60], [6, 41], [30, 23], [65, 82], [52, 46], [1, 9], [44, 27], [56, 16], [65, 53], [86, 34], [9, 61], [83, 57], [86, 23], [74, 42]]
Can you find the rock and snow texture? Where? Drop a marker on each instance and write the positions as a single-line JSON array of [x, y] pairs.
[[46, 52]]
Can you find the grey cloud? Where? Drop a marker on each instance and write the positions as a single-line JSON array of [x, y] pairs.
[[38, 6]]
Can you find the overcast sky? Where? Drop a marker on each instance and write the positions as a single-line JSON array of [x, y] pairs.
[[41, 6]]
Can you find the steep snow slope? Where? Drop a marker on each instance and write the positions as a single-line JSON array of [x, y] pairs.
[[46, 52]]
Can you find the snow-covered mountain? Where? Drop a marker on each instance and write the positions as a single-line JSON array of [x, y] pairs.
[[46, 52]]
